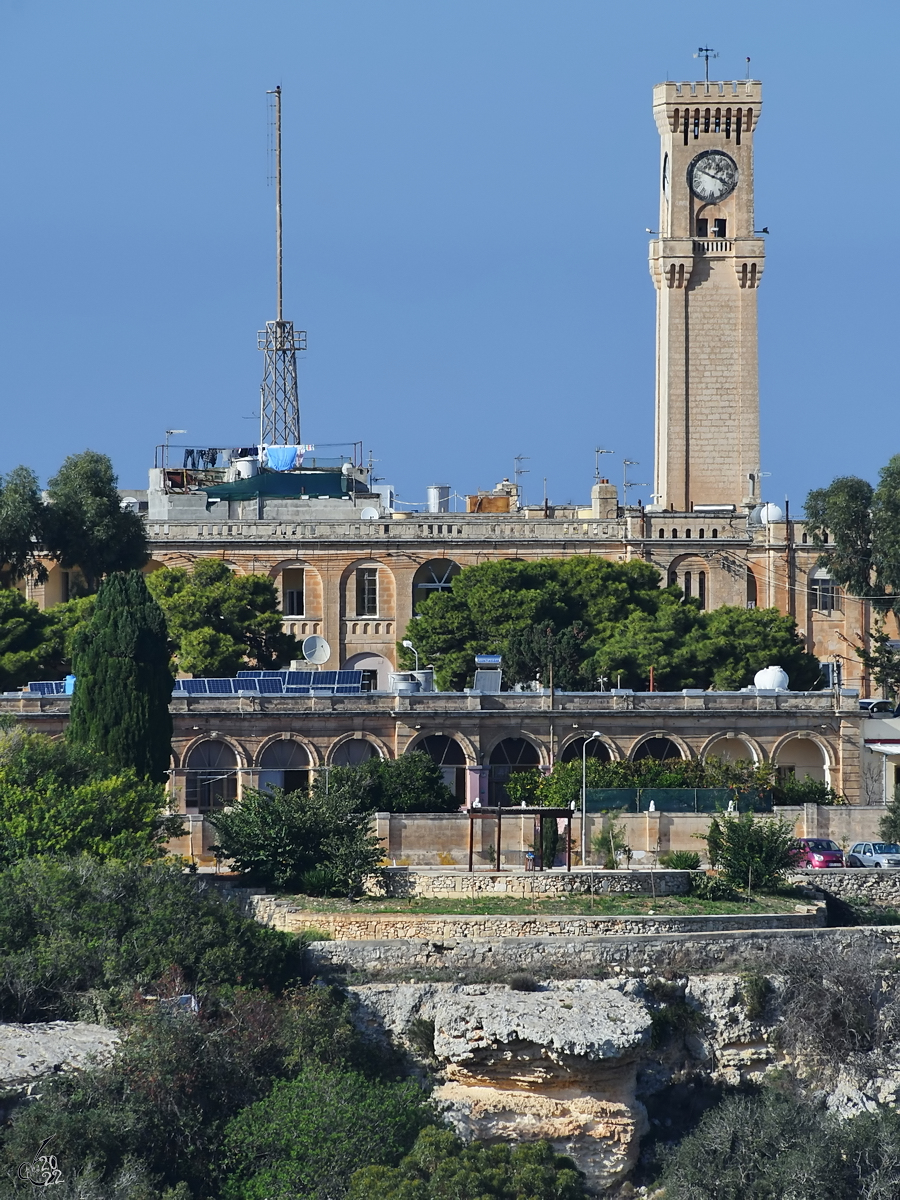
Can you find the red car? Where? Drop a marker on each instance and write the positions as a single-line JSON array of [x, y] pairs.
[[818, 852]]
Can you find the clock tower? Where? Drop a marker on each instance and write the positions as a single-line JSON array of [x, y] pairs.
[[706, 264]]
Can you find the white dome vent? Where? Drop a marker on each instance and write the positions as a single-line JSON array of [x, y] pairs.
[[766, 514], [771, 679]]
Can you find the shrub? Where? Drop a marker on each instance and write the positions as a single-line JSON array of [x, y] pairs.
[[674, 1016], [712, 887], [680, 860], [755, 992], [70, 927], [420, 1035], [610, 843], [521, 981], [310, 1134], [317, 840], [441, 1166], [752, 852]]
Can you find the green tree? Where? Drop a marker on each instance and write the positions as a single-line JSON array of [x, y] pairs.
[[596, 619], [310, 1134], [85, 525], [542, 653], [61, 799], [320, 839], [857, 529], [492, 601], [22, 513], [881, 658], [220, 622], [441, 1166], [123, 689], [751, 852], [29, 645]]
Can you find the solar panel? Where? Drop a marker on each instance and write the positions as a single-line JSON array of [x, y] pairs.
[[270, 687], [246, 685], [297, 678], [270, 674], [221, 687], [195, 687], [293, 689], [249, 674], [325, 679], [348, 689], [488, 682], [350, 678], [43, 687]]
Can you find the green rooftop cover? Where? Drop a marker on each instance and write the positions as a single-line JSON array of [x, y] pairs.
[[287, 484]]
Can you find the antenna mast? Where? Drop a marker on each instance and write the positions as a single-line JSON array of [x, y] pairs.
[[279, 409]]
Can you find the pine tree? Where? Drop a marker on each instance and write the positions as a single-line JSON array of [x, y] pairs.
[[121, 662]]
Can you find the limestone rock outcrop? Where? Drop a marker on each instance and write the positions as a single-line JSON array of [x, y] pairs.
[[31, 1053], [559, 1063]]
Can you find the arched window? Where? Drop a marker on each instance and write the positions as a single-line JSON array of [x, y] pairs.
[[702, 533], [824, 593], [353, 752], [662, 533], [595, 749], [507, 757], [706, 116], [211, 776], [751, 589], [803, 758], [448, 754], [715, 533], [701, 588], [431, 577], [284, 764], [659, 748], [687, 533], [686, 586], [674, 533]]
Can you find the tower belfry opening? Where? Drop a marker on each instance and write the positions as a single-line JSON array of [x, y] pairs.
[[279, 406]]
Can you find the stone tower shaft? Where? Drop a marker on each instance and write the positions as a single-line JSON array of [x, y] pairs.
[[706, 264]]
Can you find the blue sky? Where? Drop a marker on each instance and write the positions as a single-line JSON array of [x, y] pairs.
[[467, 186]]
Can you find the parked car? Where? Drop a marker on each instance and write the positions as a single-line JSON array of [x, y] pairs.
[[818, 852], [874, 854], [879, 708]]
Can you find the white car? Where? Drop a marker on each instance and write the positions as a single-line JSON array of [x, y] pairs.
[[873, 854]]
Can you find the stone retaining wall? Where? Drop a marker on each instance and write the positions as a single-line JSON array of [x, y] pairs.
[[585, 957], [877, 886], [446, 884], [281, 914]]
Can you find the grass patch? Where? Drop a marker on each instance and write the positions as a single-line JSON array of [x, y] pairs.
[[782, 901]]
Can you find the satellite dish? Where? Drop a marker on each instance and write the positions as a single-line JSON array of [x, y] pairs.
[[315, 650], [369, 514]]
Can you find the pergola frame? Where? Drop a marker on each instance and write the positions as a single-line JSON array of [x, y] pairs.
[[541, 814]]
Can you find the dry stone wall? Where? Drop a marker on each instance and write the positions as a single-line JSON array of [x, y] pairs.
[[878, 887], [444, 884]]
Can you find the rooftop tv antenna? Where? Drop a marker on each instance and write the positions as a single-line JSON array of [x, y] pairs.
[[279, 407], [706, 53], [597, 452]]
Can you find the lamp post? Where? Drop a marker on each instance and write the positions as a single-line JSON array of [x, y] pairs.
[[409, 646], [592, 738], [169, 433]]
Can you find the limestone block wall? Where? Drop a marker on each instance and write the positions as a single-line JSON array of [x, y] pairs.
[[444, 930], [876, 886], [584, 957]]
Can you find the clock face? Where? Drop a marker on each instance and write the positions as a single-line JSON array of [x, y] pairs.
[[712, 176]]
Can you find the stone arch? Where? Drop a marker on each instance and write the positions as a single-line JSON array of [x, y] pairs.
[[211, 770], [507, 756], [312, 751], [284, 762], [604, 749], [805, 755], [448, 753], [468, 747], [731, 744], [356, 593], [301, 596], [435, 575], [338, 756], [376, 670], [659, 735]]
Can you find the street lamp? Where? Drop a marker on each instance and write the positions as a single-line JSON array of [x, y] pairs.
[[409, 646], [592, 738]]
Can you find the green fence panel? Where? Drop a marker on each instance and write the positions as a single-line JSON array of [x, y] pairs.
[[683, 800]]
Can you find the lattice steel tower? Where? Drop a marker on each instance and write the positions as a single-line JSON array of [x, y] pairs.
[[279, 408]]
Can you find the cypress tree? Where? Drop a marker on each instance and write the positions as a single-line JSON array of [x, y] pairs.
[[121, 661]]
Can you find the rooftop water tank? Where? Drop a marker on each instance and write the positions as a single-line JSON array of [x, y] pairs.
[[771, 679]]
